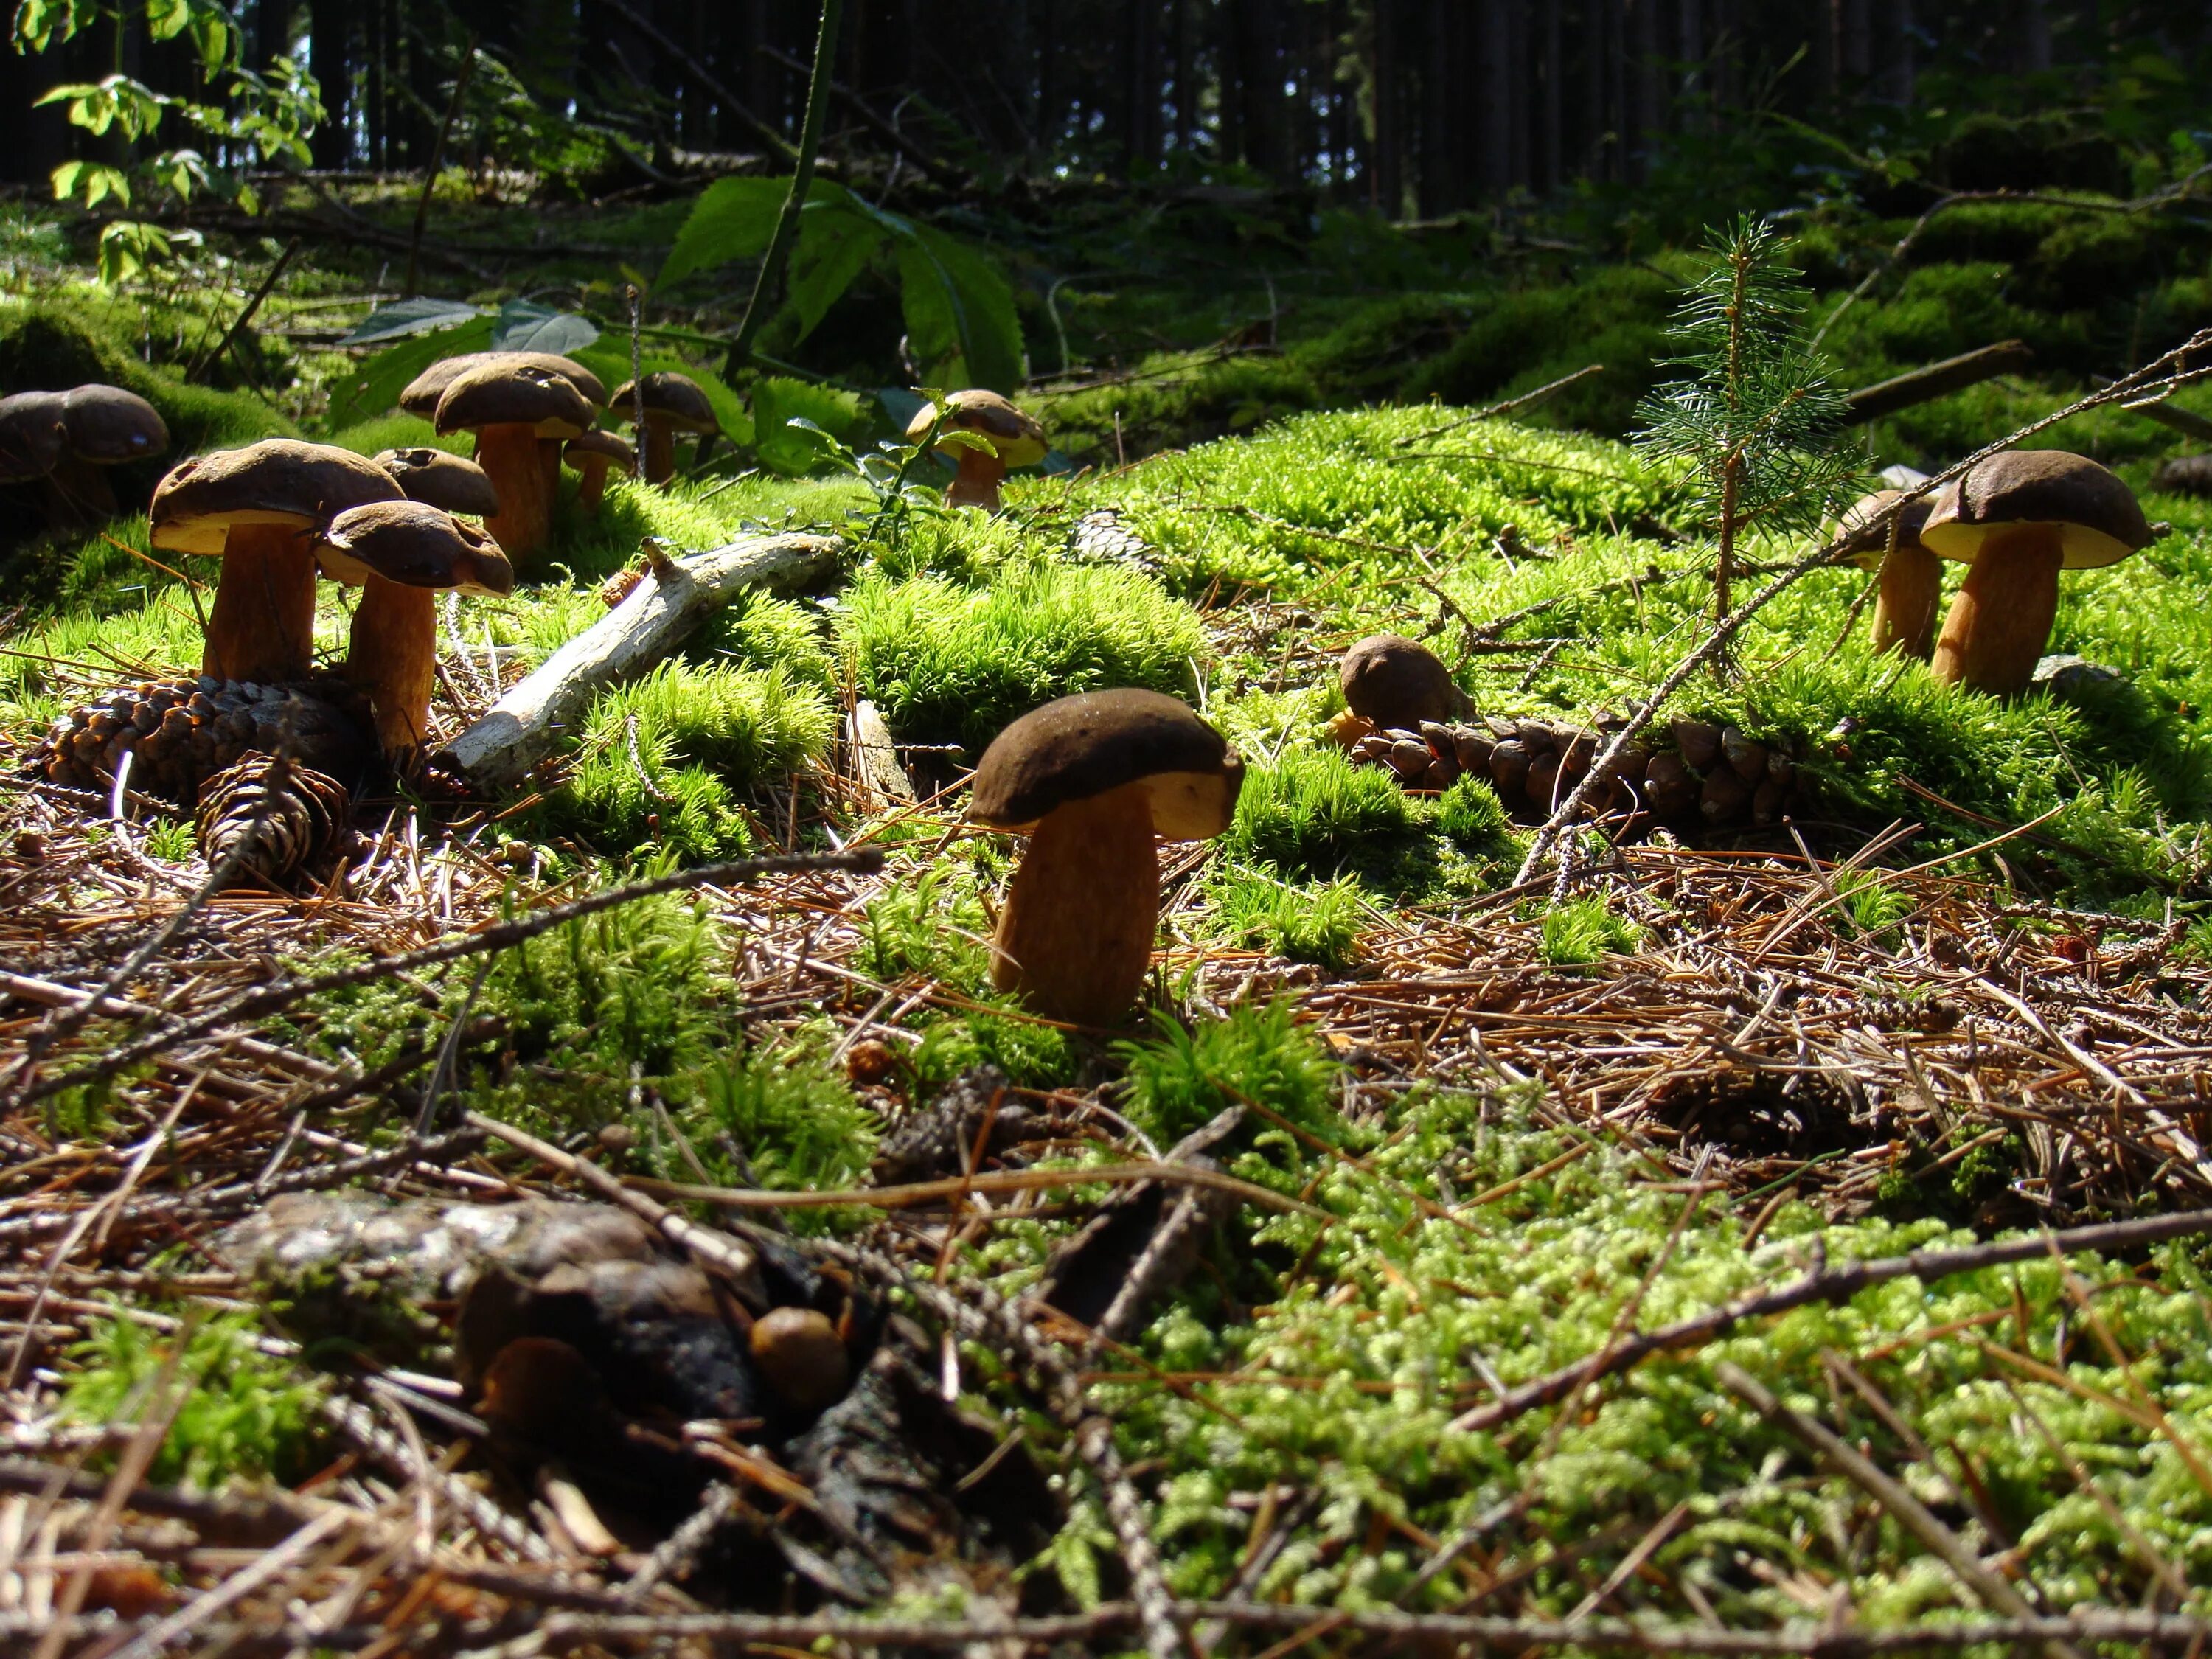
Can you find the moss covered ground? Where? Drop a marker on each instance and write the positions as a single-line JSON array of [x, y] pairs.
[[1290, 1403]]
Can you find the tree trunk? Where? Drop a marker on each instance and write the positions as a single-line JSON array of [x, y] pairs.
[[329, 26], [1496, 45], [1551, 130], [1386, 157], [1185, 75]]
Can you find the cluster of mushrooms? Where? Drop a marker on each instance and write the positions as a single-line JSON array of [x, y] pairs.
[[531, 411], [2015, 520], [64, 441]]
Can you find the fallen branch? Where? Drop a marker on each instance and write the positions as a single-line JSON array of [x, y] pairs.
[[1826, 1284], [526, 725], [1934, 381]]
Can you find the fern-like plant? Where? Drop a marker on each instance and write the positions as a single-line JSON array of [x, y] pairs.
[[1755, 420]]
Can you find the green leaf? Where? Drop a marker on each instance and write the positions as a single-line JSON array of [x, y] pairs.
[[374, 386], [778, 401], [732, 219], [834, 247], [960, 319], [396, 322], [523, 326]]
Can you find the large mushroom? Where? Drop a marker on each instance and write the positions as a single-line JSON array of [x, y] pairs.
[[1909, 579], [441, 480], [423, 392], [69, 439], [1091, 780], [512, 406], [672, 403], [594, 455], [31, 436], [2017, 520], [401, 555], [257, 509], [1014, 439]]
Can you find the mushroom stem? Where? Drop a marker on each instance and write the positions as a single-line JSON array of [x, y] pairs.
[[79, 496], [1905, 612], [549, 464], [977, 482], [660, 457], [393, 657], [1999, 624], [262, 624], [508, 454], [592, 482], [1076, 934]]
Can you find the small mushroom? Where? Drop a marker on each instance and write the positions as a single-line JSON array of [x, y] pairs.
[[1392, 681], [441, 480], [31, 436], [401, 555], [1015, 441], [1091, 780], [423, 392], [673, 403], [798, 1354], [68, 441], [594, 455], [1910, 579], [512, 406], [257, 509], [2016, 520]]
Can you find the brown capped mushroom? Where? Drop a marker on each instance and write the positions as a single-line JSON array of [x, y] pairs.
[[423, 392], [673, 403], [594, 455], [401, 555], [31, 437], [798, 1354], [2016, 520], [441, 480], [1091, 780], [1394, 682], [1015, 440], [1910, 578], [512, 406], [257, 509], [68, 439]]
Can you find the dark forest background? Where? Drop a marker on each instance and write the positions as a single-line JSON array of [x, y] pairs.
[[1415, 108]]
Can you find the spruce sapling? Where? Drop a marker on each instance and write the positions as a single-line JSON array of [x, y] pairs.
[[1756, 419]]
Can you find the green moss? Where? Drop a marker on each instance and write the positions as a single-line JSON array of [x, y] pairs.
[[1319, 924], [946, 664], [1313, 810], [1183, 1077]]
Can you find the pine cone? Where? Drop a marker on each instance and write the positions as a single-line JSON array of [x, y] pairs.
[[303, 815], [181, 732]]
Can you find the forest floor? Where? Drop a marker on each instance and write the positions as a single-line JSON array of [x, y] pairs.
[[1435, 1261]]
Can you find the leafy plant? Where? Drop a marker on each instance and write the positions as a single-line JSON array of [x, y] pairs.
[[253, 118], [961, 325], [1756, 420]]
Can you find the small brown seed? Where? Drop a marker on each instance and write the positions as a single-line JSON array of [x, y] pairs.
[[871, 1061], [800, 1357]]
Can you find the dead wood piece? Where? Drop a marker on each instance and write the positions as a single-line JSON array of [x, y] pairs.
[[526, 725], [875, 757], [1934, 381]]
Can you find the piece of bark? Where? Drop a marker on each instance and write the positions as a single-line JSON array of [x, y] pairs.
[[526, 725], [1934, 381], [875, 759]]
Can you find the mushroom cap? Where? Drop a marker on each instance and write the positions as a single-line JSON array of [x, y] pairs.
[[32, 435], [1865, 545], [441, 480], [1087, 745], [611, 448], [509, 391], [673, 400], [277, 480], [415, 544], [423, 392], [108, 425], [2096, 513], [1397, 683], [1018, 438]]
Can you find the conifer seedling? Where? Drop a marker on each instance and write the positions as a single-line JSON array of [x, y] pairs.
[[1755, 420]]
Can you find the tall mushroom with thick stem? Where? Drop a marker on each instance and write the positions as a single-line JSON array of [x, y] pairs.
[[1014, 438], [672, 403], [1909, 578], [513, 407], [257, 509], [401, 555], [2016, 520], [423, 392], [1091, 780]]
